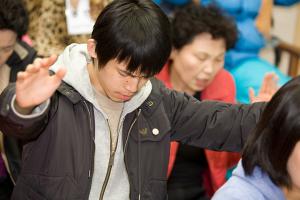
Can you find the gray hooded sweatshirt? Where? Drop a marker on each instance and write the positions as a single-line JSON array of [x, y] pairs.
[[75, 58]]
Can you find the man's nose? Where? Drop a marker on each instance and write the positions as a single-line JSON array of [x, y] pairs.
[[208, 69], [132, 84]]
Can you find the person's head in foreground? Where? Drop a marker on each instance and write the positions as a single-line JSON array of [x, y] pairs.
[[130, 43], [275, 145], [272, 151], [201, 36]]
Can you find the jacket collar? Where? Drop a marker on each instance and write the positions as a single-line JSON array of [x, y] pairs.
[[148, 106], [18, 55], [154, 99], [69, 92]]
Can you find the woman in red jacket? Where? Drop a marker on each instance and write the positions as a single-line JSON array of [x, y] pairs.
[[201, 37]]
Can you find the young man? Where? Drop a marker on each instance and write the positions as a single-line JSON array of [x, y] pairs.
[[15, 55], [102, 128]]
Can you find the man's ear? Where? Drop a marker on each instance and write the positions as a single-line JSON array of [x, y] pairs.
[[91, 47], [173, 53]]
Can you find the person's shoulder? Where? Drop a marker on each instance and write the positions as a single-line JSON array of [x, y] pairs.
[[158, 86], [27, 47], [25, 52], [22, 56], [222, 88], [224, 79], [223, 76], [237, 188], [168, 96]]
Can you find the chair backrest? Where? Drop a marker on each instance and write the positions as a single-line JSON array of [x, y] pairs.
[[294, 57]]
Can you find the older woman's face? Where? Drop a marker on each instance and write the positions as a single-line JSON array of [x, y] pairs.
[[196, 64], [293, 166]]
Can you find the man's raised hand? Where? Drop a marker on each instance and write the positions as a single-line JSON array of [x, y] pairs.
[[35, 85], [268, 88]]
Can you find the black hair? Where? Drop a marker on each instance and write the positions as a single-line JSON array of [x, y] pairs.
[[192, 20], [276, 135], [13, 16], [134, 31]]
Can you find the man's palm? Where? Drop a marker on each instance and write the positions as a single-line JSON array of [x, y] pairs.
[[35, 85], [268, 88]]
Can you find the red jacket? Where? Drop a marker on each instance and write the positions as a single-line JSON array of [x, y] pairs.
[[222, 88]]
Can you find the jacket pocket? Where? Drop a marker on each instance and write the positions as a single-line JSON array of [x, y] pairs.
[[151, 128], [156, 189], [46, 187], [23, 191]]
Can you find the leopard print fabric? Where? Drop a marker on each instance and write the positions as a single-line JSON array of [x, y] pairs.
[[48, 28]]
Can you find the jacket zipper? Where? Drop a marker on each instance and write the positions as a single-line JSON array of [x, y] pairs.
[[111, 158], [91, 169], [140, 164], [110, 164], [129, 131], [125, 147]]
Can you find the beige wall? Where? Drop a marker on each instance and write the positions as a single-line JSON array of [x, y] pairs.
[[285, 22], [287, 27], [297, 36]]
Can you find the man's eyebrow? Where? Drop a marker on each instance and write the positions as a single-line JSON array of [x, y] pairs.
[[131, 74]]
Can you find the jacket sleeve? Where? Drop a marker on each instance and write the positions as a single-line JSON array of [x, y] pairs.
[[211, 124], [13, 124]]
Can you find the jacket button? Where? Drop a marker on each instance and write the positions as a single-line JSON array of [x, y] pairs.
[[155, 131]]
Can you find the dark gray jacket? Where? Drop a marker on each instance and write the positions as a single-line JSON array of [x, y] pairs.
[[58, 157]]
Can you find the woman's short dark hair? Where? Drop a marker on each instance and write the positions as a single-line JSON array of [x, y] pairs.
[[134, 31], [276, 135], [13, 16], [192, 20]]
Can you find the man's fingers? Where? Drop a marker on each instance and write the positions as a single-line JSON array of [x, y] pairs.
[[264, 84], [275, 83], [33, 68], [21, 76], [37, 61], [251, 94], [47, 62], [61, 72], [269, 83]]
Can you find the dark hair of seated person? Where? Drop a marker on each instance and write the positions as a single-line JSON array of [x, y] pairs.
[[192, 20], [276, 135], [14, 17]]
